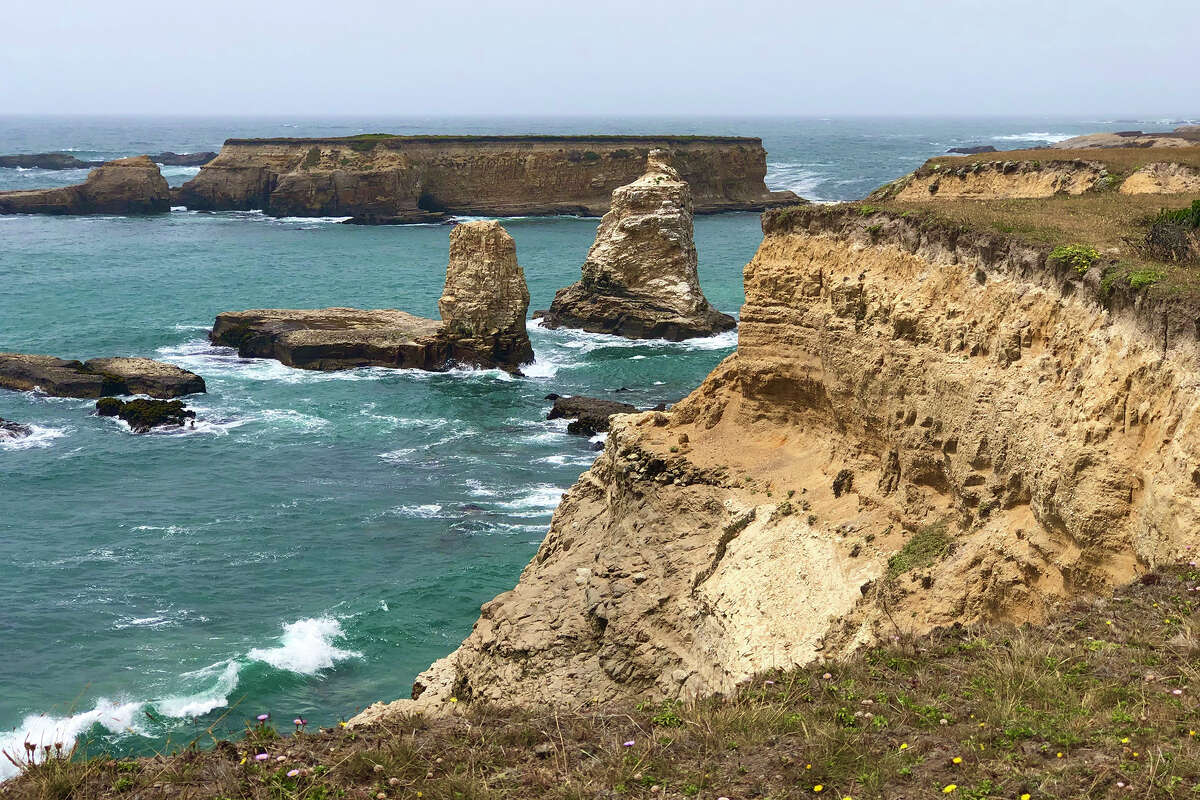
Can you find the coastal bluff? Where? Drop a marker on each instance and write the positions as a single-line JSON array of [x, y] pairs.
[[482, 306], [384, 178]]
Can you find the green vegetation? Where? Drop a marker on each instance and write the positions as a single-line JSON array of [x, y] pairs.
[[1188, 217], [926, 546], [1102, 701], [1079, 257], [1142, 278]]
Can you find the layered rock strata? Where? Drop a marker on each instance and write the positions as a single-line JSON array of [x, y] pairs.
[[125, 186], [483, 308], [394, 178], [922, 425], [640, 279], [97, 377]]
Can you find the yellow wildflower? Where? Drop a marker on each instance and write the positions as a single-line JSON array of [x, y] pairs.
[[1025, 796], [904, 746], [1125, 740], [957, 759], [818, 788], [1059, 755], [453, 699], [950, 787]]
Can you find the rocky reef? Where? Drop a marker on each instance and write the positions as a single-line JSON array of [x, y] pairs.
[[68, 161], [384, 178], [923, 425], [97, 377], [483, 308], [13, 430], [640, 279], [125, 186], [588, 415], [144, 415]]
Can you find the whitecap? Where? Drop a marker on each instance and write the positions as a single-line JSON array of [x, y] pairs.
[[1034, 136], [538, 500], [37, 437], [306, 647], [43, 729], [479, 489], [202, 701]]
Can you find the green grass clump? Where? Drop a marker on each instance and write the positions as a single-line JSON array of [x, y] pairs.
[[925, 547], [1145, 277], [1188, 216], [1079, 257]]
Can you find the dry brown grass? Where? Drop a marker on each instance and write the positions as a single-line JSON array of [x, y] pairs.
[[1100, 703]]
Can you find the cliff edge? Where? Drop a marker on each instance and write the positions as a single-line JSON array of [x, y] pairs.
[[923, 425]]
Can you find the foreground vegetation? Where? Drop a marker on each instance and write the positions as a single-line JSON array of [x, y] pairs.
[[1099, 703]]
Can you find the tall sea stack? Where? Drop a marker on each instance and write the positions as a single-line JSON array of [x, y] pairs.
[[639, 279]]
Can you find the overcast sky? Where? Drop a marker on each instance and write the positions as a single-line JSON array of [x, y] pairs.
[[600, 57]]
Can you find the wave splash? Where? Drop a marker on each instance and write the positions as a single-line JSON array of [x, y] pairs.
[[306, 647]]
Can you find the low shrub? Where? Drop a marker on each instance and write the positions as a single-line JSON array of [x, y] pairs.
[[1079, 257]]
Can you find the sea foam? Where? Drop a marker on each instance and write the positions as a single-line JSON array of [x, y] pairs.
[[306, 647]]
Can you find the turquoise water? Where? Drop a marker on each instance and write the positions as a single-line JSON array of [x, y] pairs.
[[318, 538]]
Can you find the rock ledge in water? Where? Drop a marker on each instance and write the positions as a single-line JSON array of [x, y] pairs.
[[142, 415], [588, 415], [98, 377], [125, 186], [13, 430], [639, 280], [483, 309]]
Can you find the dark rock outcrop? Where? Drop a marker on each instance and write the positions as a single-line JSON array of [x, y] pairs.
[[588, 415], [143, 415], [13, 430], [98, 377], [640, 279], [125, 186], [483, 308], [973, 150], [68, 161], [386, 177], [169, 159]]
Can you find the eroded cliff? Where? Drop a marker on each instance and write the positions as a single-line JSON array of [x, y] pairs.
[[380, 177], [922, 425]]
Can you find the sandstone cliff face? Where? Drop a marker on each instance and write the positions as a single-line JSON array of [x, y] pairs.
[[1162, 178], [483, 309], [125, 186], [639, 279], [896, 383], [397, 176]]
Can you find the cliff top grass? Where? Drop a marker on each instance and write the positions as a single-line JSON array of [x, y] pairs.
[[1118, 160], [515, 138], [1101, 702], [1115, 225]]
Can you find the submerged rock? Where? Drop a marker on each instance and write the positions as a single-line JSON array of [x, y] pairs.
[[483, 310], [98, 377], [142, 414], [588, 415], [13, 430], [639, 279], [125, 186]]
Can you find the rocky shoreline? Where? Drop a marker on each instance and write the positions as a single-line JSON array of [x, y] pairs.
[[97, 377]]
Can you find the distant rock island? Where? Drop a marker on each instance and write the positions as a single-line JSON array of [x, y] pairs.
[[97, 377], [483, 309], [640, 279], [383, 178], [68, 161], [125, 186]]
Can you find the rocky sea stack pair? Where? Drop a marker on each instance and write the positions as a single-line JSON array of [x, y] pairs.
[[640, 279], [483, 307]]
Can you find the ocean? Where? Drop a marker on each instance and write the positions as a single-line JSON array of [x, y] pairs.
[[318, 538]]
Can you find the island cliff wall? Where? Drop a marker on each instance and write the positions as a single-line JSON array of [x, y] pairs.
[[922, 425], [404, 177]]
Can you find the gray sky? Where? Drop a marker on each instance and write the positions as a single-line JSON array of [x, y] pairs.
[[603, 56]]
